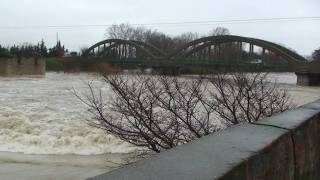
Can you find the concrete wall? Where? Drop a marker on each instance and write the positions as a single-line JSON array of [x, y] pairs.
[[22, 66], [286, 146], [310, 75], [308, 79]]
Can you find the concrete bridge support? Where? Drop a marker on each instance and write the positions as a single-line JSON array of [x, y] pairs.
[[22, 66], [308, 79]]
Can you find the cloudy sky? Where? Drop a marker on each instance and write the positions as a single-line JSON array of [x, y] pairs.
[[31, 20]]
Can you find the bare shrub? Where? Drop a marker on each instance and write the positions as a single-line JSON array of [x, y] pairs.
[[247, 97], [156, 112], [161, 112]]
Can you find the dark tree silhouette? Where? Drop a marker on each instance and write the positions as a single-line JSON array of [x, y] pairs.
[[4, 52], [219, 31], [57, 51], [158, 39], [316, 55]]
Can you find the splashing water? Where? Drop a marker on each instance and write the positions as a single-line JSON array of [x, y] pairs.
[[42, 116]]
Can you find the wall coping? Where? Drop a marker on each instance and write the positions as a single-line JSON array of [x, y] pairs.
[[213, 156]]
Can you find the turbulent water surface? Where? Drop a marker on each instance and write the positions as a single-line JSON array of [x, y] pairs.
[[41, 119], [42, 116], [43, 130]]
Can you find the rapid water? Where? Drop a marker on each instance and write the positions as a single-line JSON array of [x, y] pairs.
[[43, 127], [40, 115]]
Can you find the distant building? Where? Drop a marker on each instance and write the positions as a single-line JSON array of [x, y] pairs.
[[71, 54]]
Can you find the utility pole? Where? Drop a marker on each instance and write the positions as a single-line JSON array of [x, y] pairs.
[[57, 37]]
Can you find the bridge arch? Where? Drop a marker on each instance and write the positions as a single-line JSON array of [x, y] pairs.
[[156, 51], [202, 43], [124, 48]]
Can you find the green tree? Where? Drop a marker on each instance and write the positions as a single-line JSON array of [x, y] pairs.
[[42, 49], [57, 51], [4, 52]]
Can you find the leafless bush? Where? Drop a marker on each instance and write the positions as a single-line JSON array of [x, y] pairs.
[[247, 97], [157, 112], [161, 112]]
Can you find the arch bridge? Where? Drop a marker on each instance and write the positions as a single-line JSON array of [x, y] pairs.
[[209, 52], [235, 49]]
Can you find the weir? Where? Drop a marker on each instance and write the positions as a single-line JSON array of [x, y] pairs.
[[311, 76], [22, 66], [286, 146], [308, 79], [308, 74]]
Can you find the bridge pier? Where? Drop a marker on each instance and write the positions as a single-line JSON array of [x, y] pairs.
[[308, 79]]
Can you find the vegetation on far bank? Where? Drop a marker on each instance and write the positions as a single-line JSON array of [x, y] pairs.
[[77, 64], [54, 64]]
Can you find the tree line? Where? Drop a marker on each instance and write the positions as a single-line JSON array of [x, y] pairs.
[[169, 43], [158, 39], [29, 50]]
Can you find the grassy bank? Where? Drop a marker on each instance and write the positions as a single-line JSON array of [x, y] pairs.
[[54, 64], [76, 64]]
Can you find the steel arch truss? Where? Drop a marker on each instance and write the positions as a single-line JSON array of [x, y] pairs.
[[210, 47], [202, 51], [124, 49]]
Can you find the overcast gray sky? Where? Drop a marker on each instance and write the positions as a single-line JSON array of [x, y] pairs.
[[28, 15]]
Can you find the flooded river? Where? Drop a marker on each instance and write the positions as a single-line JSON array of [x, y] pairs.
[[43, 127]]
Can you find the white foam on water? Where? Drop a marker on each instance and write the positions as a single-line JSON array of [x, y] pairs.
[[42, 116]]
